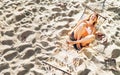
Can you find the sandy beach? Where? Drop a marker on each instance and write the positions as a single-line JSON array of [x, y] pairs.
[[33, 37]]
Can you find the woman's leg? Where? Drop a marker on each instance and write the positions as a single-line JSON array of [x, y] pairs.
[[78, 35], [88, 39]]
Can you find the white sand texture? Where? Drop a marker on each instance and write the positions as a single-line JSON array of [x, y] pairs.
[[33, 36]]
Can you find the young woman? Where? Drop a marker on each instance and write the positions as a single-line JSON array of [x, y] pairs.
[[84, 32]]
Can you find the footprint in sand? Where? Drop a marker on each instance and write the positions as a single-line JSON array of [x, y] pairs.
[[22, 72], [4, 66], [28, 66], [44, 43], [10, 56], [85, 72], [7, 42], [19, 17], [9, 33], [115, 53], [29, 53], [23, 36]]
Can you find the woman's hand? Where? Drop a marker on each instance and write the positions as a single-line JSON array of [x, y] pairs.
[[99, 35], [69, 42]]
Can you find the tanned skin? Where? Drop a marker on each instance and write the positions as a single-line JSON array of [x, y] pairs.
[[84, 31]]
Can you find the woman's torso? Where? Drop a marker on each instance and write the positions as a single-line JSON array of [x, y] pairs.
[[85, 29]]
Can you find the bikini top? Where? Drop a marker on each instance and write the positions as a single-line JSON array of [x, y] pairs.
[[88, 29]]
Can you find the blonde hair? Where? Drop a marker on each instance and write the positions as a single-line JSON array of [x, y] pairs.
[[88, 18]]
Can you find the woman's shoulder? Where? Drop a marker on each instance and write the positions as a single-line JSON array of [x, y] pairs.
[[84, 23]]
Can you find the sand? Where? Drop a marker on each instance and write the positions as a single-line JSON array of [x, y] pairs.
[[33, 31]]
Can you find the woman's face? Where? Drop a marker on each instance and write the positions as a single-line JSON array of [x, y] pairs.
[[93, 17]]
